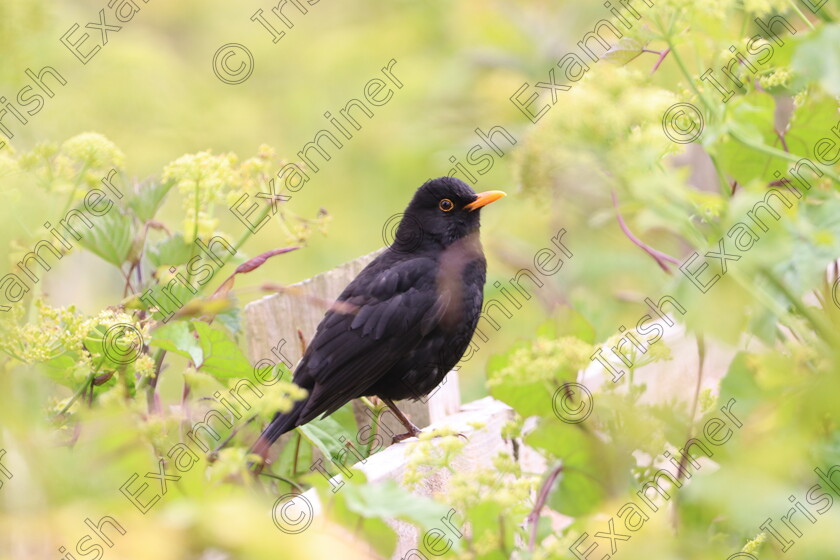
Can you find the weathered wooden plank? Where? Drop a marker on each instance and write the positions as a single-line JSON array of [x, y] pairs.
[[482, 445]]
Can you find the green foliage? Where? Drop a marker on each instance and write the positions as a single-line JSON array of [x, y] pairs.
[[91, 397]]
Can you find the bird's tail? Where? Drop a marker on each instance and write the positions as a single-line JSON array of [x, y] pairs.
[[279, 425]]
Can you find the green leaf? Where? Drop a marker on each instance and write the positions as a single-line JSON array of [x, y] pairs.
[[178, 338], [61, 369], [231, 318], [740, 384], [809, 123], [146, 201], [386, 500], [222, 357], [104, 361], [752, 119], [172, 251], [580, 487], [320, 434], [528, 394], [110, 238], [625, 50], [818, 58]]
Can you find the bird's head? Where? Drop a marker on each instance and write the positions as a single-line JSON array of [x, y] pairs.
[[442, 211]]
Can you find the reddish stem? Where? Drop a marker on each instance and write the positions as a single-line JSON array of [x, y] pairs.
[[662, 56], [534, 516], [782, 138], [658, 256]]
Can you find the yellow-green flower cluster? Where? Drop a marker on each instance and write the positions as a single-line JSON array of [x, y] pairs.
[[543, 359], [75, 167], [56, 330], [766, 7], [435, 449], [279, 397], [160, 430], [709, 205], [93, 151], [611, 120], [59, 331], [755, 544], [230, 464], [780, 77], [504, 485], [254, 174], [203, 180], [653, 352]]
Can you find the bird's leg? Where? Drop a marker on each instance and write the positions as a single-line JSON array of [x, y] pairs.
[[413, 431]]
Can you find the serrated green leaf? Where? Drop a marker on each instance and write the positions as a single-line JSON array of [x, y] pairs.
[[222, 357], [581, 486], [323, 434], [177, 337], [149, 197], [110, 238], [172, 251]]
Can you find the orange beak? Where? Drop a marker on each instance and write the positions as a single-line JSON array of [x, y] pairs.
[[484, 199]]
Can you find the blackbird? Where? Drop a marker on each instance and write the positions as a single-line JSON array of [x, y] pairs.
[[401, 325]]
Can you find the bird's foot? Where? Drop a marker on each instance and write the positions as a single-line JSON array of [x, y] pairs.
[[414, 431]]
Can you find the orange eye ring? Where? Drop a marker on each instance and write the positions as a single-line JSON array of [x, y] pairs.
[[446, 205]]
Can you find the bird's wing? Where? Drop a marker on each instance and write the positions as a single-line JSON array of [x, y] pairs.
[[381, 315]]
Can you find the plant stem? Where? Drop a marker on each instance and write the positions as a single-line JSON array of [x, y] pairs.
[[284, 479], [770, 151], [76, 395], [232, 434], [816, 322], [658, 256], [798, 11], [534, 516]]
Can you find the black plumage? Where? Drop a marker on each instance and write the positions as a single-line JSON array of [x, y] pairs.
[[401, 325]]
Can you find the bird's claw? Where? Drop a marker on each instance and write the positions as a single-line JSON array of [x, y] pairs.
[[414, 432]]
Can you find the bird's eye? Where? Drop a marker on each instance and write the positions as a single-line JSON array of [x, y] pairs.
[[446, 205]]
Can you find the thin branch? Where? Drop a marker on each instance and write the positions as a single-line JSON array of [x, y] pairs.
[[127, 277], [297, 453], [662, 56], [701, 359], [534, 516], [232, 434], [76, 395], [782, 139], [284, 479], [152, 389], [658, 256]]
